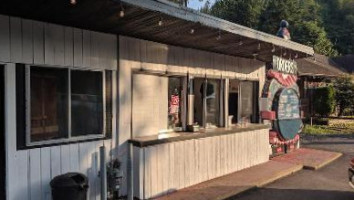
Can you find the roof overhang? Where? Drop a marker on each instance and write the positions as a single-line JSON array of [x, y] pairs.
[[141, 20]]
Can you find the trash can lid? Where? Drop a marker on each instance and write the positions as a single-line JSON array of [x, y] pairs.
[[71, 179]]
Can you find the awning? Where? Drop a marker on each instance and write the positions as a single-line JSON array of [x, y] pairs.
[[159, 21]]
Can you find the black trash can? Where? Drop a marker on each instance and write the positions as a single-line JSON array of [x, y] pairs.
[[69, 186]]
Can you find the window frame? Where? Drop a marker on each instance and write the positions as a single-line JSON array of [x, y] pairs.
[[69, 138], [255, 101]]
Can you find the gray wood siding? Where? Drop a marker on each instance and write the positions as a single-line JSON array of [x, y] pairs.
[[37, 43], [32, 42]]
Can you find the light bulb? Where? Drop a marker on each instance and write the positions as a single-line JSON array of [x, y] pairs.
[[121, 13], [73, 2]]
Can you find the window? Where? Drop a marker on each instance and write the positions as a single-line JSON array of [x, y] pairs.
[[243, 102], [175, 91], [249, 102], [207, 102], [86, 103], [65, 105], [157, 104]]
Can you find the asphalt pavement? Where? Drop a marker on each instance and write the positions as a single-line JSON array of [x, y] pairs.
[[327, 183]]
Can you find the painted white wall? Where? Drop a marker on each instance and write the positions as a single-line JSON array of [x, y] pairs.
[[37, 43]]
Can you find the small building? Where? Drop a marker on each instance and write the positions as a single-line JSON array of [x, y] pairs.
[[172, 93], [314, 72]]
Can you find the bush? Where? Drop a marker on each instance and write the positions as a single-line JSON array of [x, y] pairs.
[[344, 94], [324, 101]]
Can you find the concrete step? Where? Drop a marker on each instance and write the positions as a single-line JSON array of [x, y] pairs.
[[236, 183], [310, 158]]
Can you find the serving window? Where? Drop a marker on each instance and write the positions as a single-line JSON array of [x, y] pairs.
[[64, 105], [157, 104]]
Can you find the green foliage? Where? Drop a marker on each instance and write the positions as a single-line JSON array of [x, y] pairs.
[[347, 128], [318, 130], [244, 12], [338, 17], [324, 100], [304, 16], [344, 87]]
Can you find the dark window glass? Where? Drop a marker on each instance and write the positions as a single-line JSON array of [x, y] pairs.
[[174, 102], [198, 84], [233, 101], [86, 103], [49, 103], [109, 103]]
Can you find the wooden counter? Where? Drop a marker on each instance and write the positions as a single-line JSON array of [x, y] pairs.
[[182, 136]]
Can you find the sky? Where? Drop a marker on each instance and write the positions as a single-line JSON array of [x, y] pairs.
[[196, 4]]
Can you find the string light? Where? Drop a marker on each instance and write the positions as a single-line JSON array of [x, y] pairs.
[[296, 56], [73, 2], [284, 54], [160, 22], [273, 49], [255, 56], [191, 31], [121, 12], [259, 46], [219, 36], [240, 43]]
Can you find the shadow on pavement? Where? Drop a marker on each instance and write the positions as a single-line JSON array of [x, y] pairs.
[[294, 194]]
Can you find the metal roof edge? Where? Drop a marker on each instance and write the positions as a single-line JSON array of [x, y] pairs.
[[189, 14]]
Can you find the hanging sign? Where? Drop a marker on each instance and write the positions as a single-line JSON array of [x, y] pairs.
[[284, 65]]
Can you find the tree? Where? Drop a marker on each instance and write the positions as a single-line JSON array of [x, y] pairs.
[[324, 101], [244, 12], [344, 87], [338, 16], [305, 21]]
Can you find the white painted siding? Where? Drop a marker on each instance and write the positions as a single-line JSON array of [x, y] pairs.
[[172, 166], [33, 42], [37, 43]]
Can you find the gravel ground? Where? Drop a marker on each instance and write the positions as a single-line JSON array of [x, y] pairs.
[[328, 183]]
